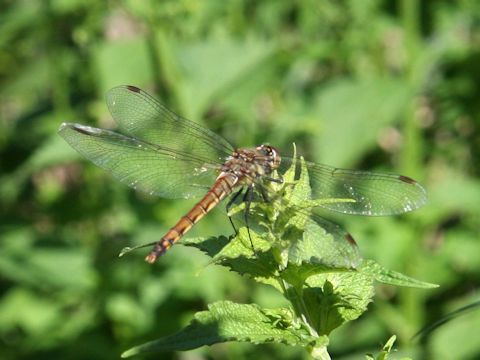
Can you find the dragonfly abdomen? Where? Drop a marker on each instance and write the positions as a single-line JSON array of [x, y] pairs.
[[222, 188]]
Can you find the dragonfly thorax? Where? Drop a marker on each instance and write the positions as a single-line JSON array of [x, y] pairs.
[[249, 164]]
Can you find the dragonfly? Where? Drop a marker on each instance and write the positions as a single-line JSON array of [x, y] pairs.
[[163, 154]]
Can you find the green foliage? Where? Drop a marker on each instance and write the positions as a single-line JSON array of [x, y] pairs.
[[386, 351], [320, 273], [373, 84], [227, 321]]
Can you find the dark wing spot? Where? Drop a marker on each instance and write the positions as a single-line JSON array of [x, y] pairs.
[[350, 239], [133, 88], [83, 130], [407, 180]]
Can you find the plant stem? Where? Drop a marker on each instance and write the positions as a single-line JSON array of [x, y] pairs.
[[294, 295], [320, 353]]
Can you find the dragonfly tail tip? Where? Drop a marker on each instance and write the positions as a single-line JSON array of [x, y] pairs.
[[151, 258]]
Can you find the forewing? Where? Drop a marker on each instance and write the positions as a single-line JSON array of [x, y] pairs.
[[140, 115], [141, 165], [363, 192]]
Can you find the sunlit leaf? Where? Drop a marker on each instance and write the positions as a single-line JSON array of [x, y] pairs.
[[227, 321]]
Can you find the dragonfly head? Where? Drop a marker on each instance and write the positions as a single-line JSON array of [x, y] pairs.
[[272, 155]]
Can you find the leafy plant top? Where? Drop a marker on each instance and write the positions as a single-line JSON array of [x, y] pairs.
[[313, 263]]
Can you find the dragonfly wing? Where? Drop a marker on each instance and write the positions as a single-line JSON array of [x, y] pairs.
[[342, 248], [363, 192], [142, 116], [319, 240], [139, 164]]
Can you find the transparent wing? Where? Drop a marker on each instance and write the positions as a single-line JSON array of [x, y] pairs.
[[140, 115], [367, 193], [323, 241], [332, 244], [142, 165], [164, 154]]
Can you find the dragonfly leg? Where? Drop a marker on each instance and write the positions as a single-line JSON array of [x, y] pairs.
[[248, 198], [263, 192], [229, 205], [278, 180]]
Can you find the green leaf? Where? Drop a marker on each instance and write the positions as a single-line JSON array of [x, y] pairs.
[[379, 273], [52, 152], [301, 190], [227, 321], [26, 310], [40, 268], [386, 351], [325, 244], [135, 70], [335, 298], [225, 60], [457, 338], [289, 174], [347, 104], [238, 256], [210, 246]]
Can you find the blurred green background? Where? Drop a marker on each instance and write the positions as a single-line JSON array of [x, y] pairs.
[[378, 85]]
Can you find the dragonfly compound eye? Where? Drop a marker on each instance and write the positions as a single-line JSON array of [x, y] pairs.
[[271, 153]]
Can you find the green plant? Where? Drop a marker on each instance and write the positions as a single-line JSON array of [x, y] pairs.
[[313, 263]]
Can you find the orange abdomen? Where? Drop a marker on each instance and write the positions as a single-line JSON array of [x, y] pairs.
[[223, 187]]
